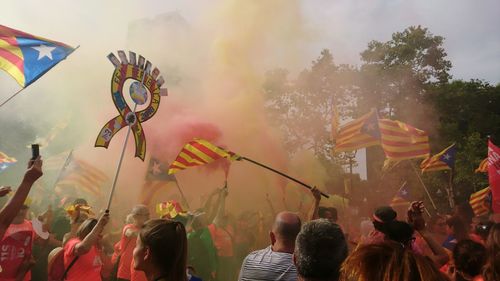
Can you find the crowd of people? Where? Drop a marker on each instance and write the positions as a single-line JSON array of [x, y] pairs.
[[211, 245]]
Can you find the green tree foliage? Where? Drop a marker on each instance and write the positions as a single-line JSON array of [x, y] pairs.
[[406, 78], [395, 74], [303, 108]]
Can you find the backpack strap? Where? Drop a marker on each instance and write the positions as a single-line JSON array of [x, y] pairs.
[[69, 267]]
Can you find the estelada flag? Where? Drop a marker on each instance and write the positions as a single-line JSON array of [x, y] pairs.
[[479, 201], [402, 197], [483, 166], [444, 160], [401, 141], [359, 133], [199, 152], [27, 57], [494, 175]]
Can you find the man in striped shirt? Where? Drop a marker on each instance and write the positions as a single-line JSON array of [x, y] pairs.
[[274, 262]]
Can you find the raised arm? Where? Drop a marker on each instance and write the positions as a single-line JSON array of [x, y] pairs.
[[86, 244], [10, 210], [315, 206], [416, 218], [221, 207]]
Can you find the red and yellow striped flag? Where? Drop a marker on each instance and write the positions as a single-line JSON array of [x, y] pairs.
[[483, 166], [479, 202], [444, 160], [199, 152], [401, 141], [359, 133]]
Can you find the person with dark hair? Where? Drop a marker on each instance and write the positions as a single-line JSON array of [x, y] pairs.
[[469, 258], [380, 218], [491, 270], [457, 231], [388, 261], [83, 258], [274, 262], [329, 213], [161, 251], [320, 249]]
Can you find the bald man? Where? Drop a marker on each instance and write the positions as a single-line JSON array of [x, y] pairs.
[[274, 262]]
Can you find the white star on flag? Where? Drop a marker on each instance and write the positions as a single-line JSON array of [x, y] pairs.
[[44, 51], [156, 168], [446, 157]]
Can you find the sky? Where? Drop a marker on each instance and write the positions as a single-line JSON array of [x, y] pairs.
[[470, 28], [234, 39]]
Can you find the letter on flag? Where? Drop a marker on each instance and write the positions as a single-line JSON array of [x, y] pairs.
[[444, 160], [27, 57], [359, 133], [401, 141], [479, 202], [494, 175], [199, 152]]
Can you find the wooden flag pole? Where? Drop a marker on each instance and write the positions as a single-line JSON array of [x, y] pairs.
[[281, 174], [182, 193], [423, 185]]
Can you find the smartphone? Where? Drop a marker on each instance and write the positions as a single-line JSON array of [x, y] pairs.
[[35, 151]]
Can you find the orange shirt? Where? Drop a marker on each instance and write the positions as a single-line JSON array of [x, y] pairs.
[[126, 247], [16, 247], [222, 240], [87, 267]]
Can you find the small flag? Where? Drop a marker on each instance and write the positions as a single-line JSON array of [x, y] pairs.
[[199, 152], [444, 160], [27, 57], [479, 201], [483, 166], [6, 161], [402, 197], [494, 175], [157, 171], [157, 179], [170, 209], [401, 141], [359, 133]]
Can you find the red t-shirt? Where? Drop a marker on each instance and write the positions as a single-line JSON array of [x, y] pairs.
[[222, 240], [87, 267], [16, 247], [126, 247]]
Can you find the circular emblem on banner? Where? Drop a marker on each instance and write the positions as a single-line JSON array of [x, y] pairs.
[[138, 93]]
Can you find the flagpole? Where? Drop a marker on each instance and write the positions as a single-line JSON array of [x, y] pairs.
[[281, 173], [423, 185], [16, 93], [450, 189], [182, 193], [63, 168]]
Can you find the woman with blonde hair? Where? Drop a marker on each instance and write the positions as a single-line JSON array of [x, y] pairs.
[[388, 261], [161, 251]]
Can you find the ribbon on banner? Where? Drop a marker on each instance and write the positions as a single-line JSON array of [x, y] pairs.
[[141, 73]]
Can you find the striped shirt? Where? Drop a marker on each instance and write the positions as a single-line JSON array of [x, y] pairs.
[[266, 265]]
